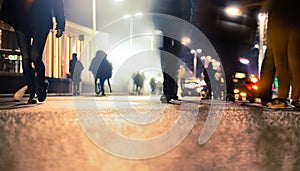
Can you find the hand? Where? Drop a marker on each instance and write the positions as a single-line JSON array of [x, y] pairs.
[[59, 33]]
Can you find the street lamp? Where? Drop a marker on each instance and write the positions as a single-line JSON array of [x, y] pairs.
[[195, 52], [131, 17], [206, 60], [235, 11]]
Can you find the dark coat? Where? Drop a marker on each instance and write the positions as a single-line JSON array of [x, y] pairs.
[[37, 14]]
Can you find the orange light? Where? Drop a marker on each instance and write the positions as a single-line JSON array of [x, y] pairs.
[[255, 87], [253, 79]]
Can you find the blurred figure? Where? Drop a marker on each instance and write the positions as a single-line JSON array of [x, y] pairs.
[[76, 68], [180, 9], [102, 70], [181, 74], [267, 76], [209, 82], [32, 21], [283, 37], [138, 81], [153, 86], [218, 83]]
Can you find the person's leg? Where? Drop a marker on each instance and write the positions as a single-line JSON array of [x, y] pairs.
[[77, 87], [96, 85], [36, 54], [279, 43], [74, 87], [108, 82], [24, 42], [169, 65], [294, 64], [267, 75], [102, 86]]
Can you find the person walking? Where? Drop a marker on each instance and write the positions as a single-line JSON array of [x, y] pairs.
[[102, 70], [283, 37], [153, 86], [181, 74], [170, 47], [32, 21], [76, 68]]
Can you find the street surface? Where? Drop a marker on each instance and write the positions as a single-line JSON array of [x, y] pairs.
[[129, 133]]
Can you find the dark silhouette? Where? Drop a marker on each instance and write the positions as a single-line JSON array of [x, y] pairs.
[[76, 68], [267, 75], [102, 70], [153, 85], [32, 21], [210, 82], [138, 81], [171, 47], [283, 38]]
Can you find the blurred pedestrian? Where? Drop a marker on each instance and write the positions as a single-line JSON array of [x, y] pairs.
[[138, 81], [32, 21], [153, 86], [283, 38], [181, 75], [76, 68], [102, 70], [170, 47], [218, 83], [209, 81]]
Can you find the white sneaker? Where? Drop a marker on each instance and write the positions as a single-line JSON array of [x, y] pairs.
[[20, 93]]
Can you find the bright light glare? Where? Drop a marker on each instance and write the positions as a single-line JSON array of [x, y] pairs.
[[253, 79], [118, 0], [186, 40], [243, 94], [255, 87], [233, 11], [240, 75], [126, 16], [139, 14], [236, 91], [244, 61]]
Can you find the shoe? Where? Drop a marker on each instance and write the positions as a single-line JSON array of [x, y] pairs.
[[20, 93], [32, 99], [42, 92], [279, 103], [296, 103]]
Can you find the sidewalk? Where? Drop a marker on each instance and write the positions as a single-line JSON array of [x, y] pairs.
[[50, 136]]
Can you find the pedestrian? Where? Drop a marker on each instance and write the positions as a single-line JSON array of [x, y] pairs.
[[153, 86], [218, 83], [181, 74], [170, 47], [32, 21], [76, 68], [138, 81], [283, 37], [102, 70], [210, 83]]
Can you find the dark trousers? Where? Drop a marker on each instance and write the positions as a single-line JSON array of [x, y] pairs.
[[169, 63], [267, 76], [32, 47]]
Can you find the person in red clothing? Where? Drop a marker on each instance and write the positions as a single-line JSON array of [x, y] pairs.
[[32, 20]]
